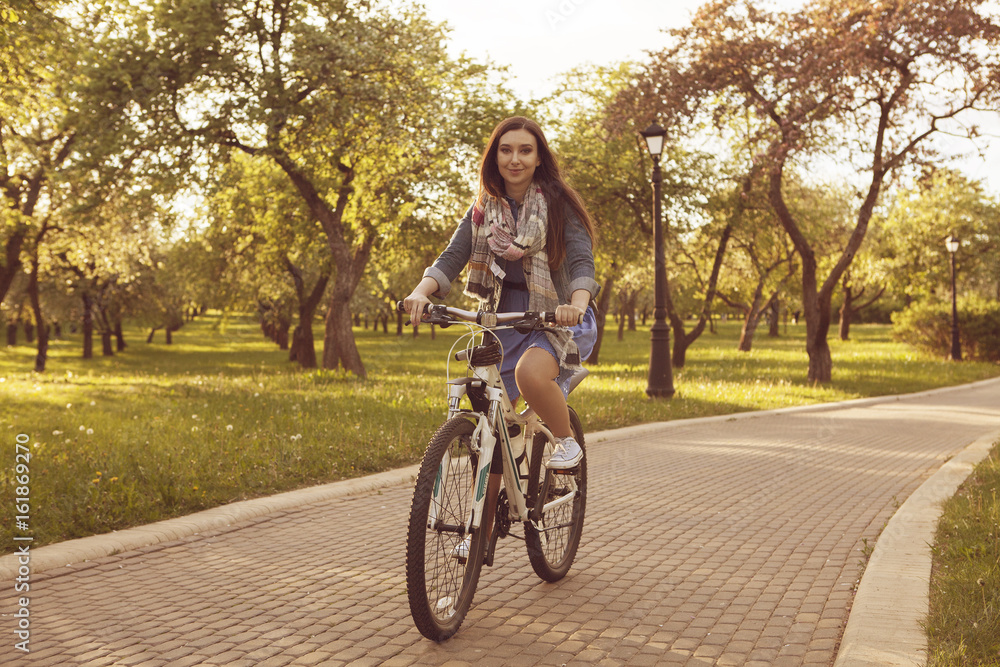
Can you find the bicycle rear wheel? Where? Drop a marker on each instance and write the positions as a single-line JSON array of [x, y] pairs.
[[557, 502], [442, 568]]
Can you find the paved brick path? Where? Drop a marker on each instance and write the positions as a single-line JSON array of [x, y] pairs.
[[709, 542]]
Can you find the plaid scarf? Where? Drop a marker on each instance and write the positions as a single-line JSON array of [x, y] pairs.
[[495, 233]]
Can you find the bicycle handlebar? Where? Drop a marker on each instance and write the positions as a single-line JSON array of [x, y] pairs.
[[447, 315]]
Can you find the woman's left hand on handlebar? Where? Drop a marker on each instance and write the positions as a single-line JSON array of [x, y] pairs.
[[568, 315]]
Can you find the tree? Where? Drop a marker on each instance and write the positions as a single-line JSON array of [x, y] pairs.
[[759, 259], [609, 164], [355, 102], [270, 240], [869, 83], [913, 230], [37, 130]]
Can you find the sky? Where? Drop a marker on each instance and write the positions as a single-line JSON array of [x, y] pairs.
[[539, 39]]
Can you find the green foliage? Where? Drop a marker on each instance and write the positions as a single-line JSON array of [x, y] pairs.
[[963, 627], [910, 236], [927, 326]]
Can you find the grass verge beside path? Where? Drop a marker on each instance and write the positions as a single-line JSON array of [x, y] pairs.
[[161, 431], [964, 623]]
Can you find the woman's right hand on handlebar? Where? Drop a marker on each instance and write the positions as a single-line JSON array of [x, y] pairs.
[[414, 306], [419, 299]]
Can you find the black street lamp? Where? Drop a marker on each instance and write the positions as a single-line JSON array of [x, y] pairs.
[[952, 243], [661, 380]]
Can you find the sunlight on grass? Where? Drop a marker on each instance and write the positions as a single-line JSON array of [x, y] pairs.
[[963, 626], [160, 431]]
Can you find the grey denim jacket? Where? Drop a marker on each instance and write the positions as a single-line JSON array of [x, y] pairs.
[[576, 271]]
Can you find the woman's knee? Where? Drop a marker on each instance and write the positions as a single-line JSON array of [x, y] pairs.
[[535, 367]]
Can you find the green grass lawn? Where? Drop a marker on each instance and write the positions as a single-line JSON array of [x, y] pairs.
[[963, 627], [161, 431]]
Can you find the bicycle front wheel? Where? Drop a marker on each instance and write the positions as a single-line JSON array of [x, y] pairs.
[[442, 561], [556, 502]]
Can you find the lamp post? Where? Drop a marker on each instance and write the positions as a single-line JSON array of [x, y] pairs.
[[952, 243], [661, 380]]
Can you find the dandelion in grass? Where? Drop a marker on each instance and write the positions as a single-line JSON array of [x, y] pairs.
[[90, 431], [69, 405], [56, 432], [229, 427], [92, 403]]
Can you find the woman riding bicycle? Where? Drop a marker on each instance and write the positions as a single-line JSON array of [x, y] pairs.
[[528, 242]]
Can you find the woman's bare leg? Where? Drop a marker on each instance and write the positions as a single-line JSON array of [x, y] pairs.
[[535, 375]]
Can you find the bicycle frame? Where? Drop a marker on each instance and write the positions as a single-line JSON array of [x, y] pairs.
[[497, 420], [492, 422]]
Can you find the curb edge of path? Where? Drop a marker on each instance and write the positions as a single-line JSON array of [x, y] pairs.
[[885, 625], [85, 549]]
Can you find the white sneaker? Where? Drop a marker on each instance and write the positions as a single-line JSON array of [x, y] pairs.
[[461, 550], [567, 454]]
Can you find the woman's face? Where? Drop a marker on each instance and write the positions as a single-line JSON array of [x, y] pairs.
[[517, 158]]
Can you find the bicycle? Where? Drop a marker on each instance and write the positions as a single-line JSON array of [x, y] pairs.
[[482, 472]]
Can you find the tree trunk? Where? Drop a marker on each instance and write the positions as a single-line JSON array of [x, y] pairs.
[[88, 327], [281, 337], [751, 319], [12, 334], [817, 314], [119, 336], [815, 302], [43, 329], [750, 323], [682, 340], [152, 332], [106, 333], [106, 348], [339, 347], [303, 343], [602, 308], [846, 313], [774, 330], [350, 256], [848, 310]]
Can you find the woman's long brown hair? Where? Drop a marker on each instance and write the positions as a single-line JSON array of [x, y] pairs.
[[559, 194]]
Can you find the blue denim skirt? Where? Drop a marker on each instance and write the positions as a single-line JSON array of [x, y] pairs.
[[516, 344]]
